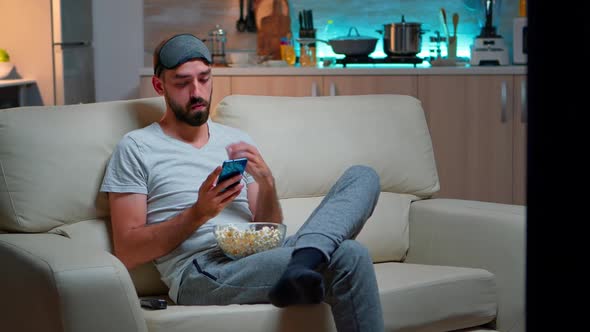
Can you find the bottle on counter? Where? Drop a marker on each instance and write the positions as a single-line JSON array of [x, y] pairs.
[[522, 8], [288, 50]]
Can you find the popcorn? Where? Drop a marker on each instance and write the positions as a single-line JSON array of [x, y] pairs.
[[238, 243]]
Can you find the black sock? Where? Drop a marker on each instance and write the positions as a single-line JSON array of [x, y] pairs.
[[309, 258], [300, 283]]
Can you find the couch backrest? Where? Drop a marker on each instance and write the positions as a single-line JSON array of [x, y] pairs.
[[309, 141], [52, 160]]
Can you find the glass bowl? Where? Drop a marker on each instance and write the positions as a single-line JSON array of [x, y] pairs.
[[239, 240]]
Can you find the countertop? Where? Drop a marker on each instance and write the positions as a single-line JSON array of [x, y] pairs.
[[365, 69], [15, 82]]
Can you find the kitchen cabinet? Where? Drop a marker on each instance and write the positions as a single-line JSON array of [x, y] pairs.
[[360, 85], [294, 86], [520, 140], [328, 85], [471, 123], [221, 88]]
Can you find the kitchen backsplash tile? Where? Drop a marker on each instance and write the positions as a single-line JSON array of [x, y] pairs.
[[165, 17]]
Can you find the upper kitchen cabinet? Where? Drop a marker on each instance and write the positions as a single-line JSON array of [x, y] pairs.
[[471, 123], [293, 86], [361, 85]]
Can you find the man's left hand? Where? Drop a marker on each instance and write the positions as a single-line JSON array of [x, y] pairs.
[[256, 165]]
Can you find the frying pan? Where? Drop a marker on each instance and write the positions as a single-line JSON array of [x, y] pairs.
[[348, 45]]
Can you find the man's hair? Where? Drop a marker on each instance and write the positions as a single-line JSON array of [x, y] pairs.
[[178, 49]]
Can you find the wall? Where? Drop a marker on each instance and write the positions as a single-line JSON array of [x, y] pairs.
[[118, 45], [25, 32], [164, 17]]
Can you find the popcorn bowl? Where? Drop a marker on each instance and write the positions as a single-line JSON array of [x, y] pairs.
[[239, 240]]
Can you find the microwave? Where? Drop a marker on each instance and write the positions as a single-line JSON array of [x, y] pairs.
[[519, 40]]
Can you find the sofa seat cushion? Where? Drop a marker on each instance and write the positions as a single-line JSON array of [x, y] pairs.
[[435, 298], [414, 297]]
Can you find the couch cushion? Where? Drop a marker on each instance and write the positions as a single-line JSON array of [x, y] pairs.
[[96, 234], [308, 142], [52, 160], [414, 298], [435, 298], [386, 233]]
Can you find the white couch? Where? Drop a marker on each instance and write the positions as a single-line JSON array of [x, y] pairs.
[[441, 264]]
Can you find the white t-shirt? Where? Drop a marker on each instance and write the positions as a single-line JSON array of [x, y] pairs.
[[170, 172]]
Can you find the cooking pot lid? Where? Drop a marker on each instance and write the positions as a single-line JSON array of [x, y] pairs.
[[403, 22], [351, 37]]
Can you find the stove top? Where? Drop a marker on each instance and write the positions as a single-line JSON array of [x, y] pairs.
[[401, 59]]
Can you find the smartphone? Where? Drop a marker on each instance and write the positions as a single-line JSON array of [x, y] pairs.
[[155, 304], [230, 168]]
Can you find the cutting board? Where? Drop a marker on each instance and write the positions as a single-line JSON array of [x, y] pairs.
[[272, 28], [263, 8]]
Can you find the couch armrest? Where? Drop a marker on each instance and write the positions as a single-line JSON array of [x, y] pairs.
[[475, 234], [50, 283]]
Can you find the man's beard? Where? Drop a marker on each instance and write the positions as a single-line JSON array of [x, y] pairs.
[[183, 114]]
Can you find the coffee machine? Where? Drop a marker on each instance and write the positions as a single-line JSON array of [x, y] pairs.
[[489, 47]]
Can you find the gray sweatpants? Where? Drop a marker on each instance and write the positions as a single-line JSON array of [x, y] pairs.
[[349, 277]]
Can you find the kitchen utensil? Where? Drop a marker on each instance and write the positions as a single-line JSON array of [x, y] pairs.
[[250, 18], [306, 20], [272, 29], [443, 19], [263, 8], [350, 45], [241, 23], [216, 39], [489, 48], [488, 29], [402, 38], [452, 41]]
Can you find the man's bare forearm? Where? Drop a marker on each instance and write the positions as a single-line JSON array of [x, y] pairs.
[[268, 208], [150, 241]]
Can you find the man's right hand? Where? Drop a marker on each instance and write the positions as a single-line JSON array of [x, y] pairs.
[[211, 199]]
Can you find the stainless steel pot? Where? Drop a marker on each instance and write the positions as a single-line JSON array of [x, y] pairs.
[[403, 38]]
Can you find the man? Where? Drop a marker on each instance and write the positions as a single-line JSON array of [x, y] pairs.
[[165, 203]]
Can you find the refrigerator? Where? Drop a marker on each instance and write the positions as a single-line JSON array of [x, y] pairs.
[[73, 53]]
